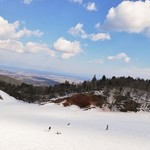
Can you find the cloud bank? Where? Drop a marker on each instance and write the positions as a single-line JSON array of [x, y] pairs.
[[29, 47], [13, 31], [10, 39]]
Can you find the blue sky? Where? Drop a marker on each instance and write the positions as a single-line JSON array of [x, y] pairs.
[[110, 37]]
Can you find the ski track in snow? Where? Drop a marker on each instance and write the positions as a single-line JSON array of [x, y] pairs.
[[25, 126]]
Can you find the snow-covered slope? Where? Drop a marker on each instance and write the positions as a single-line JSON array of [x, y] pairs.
[[25, 126]]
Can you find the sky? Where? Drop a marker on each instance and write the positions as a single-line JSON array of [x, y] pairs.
[[84, 37]]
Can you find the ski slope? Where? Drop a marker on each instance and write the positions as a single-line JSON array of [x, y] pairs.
[[25, 126]]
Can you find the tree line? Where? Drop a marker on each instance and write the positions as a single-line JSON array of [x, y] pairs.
[[30, 93]]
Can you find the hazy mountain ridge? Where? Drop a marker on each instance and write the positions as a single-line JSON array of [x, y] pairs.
[[36, 78], [28, 79], [9, 79]]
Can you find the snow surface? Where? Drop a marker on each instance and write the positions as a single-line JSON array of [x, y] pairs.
[[25, 126]]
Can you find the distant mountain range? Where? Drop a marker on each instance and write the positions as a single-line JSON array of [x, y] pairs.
[[35, 77]]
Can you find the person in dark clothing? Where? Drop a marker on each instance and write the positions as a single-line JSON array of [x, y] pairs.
[[107, 127]]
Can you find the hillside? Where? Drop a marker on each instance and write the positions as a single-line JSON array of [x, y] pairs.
[[34, 80], [113, 100], [116, 94], [9, 80]]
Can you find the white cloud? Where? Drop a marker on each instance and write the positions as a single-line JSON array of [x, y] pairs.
[[11, 45], [99, 36], [12, 31], [77, 1], [98, 26], [28, 33], [29, 47], [68, 48], [97, 61], [79, 31], [119, 56], [129, 16], [36, 47], [27, 2], [91, 6]]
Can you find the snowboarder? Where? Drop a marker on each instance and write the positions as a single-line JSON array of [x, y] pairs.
[[68, 124], [107, 127], [49, 128]]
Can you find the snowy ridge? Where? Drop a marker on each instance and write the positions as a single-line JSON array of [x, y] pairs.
[[25, 126]]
